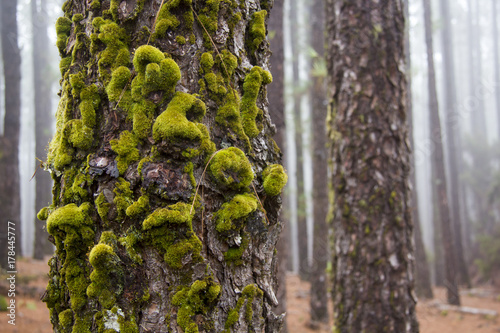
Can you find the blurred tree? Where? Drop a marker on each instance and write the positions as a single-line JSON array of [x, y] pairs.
[[318, 278], [43, 118], [151, 99], [438, 168], [496, 56], [423, 286], [372, 225], [10, 201]]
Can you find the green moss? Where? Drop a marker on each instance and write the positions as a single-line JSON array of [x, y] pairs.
[[250, 113], [178, 251], [63, 29], [95, 5], [140, 206], [126, 148], [119, 80], [228, 64], [106, 267], [64, 65], [43, 214], [234, 255], [123, 196], [209, 17], [90, 101], [116, 53], [238, 208], [228, 116], [133, 237], [196, 299], [173, 126], [113, 8], [77, 18], [257, 29], [173, 214], [248, 295], [231, 168], [274, 178], [66, 318], [192, 39], [166, 20], [206, 62], [181, 40], [77, 83], [102, 207]]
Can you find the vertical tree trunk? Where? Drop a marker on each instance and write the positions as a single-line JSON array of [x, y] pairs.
[[438, 166], [452, 142], [166, 187], [423, 286], [319, 294], [43, 120], [10, 201], [373, 231], [496, 56], [276, 111]]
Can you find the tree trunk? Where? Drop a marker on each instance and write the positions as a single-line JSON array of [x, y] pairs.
[[452, 142], [276, 111], [496, 55], [43, 120], [423, 286], [319, 290], [438, 166], [439, 268], [10, 201], [166, 187], [373, 231]]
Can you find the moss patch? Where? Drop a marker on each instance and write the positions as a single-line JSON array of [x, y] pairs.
[[126, 148], [251, 115], [275, 179], [231, 168], [238, 208]]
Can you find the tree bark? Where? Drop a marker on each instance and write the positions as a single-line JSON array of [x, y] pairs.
[[452, 140], [43, 121], [10, 201], [373, 253], [319, 290], [276, 111], [438, 167], [423, 286], [166, 182], [496, 55]]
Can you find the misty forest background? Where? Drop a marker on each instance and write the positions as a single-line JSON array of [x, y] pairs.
[[465, 56]]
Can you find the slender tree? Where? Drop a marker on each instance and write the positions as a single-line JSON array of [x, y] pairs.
[[319, 294], [276, 110], [438, 166], [10, 201], [166, 187], [373, 231], [43, 118], [423, 286], [496, 55], [452, 140]]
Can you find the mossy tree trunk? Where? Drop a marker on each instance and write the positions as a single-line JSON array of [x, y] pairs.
[[438, 168], [373, 252], [43, 119], [10, 200], [139, 247]]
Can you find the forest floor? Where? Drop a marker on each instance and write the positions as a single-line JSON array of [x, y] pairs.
[[32, 316]]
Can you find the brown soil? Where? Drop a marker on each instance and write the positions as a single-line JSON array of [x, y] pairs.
[[32, 316]]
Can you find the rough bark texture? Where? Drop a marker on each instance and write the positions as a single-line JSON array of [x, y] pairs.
[[438, 167], [319, 290], [43, 120], [373, 231], [276, 111], [141, 117], [452, 137], [10, 201], [423, 286]]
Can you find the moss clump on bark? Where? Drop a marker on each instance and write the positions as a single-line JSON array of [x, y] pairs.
[[248, 294], [238, 208], [139, 207], [251, 115], [196, 299], [63, 29], [126, 148], [231, 169], [275, 179], [257, 29]]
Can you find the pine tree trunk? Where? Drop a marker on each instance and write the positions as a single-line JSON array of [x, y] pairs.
[[276, 111], [43, 120], [423, 286], [319, 290], [143, 121], [373, 231], [10, 201], [438, 167], [496, 55], [452, 140]]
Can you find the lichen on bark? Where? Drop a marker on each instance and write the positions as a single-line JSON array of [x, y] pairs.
[[146, 239]]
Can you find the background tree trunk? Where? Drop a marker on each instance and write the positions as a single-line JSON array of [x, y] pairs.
[[372, 227], [496, 55], [10, 201], [276, 111], [141, 118], [438, 167], [43, 120], [319, 290]]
